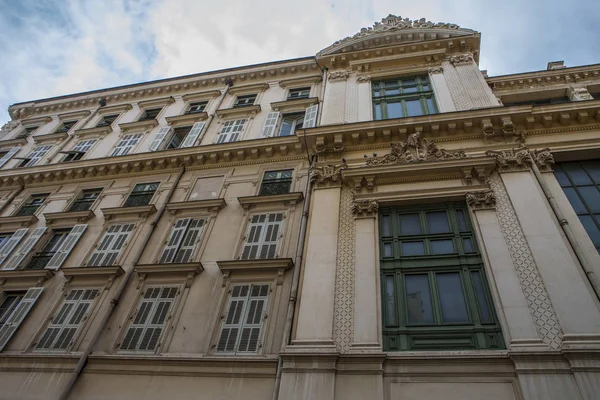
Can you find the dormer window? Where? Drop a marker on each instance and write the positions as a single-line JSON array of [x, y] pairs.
[[107, 120], [247, 100], [299, 93], [403, 97], [197, 107], [66, 126], [150, 114]]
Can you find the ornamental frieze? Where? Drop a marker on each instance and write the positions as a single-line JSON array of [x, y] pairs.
[[327, 174], [522, 158], [482, 199], [365, 207], [414, 149]]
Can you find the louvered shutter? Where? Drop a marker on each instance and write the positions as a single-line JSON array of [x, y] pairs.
[[190, 241], [310, 118], [110, 246], [25, 248], [84, 146], [126, 144], [254, 316], [193, 135], [233, 320], [67, 246], [18, 315], [263, 236], [175, 239], [270, 124], [9, 155], [37, 154], [9, 245], [253, 237], [270, 240], [162, 133]]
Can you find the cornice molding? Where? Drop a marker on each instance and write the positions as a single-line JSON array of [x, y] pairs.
[[338, 75], [287, 199], [156, 103], [483, 199], [50, 138], [250, 89], [522, 158], [294, 105], [24, 277], [125, 212], [545, 78], [211, 205], [299, 82], [138, 126], [92, 272], [186, 119], [74, 115], [15, 222], [67, 218], [116, 109], [97, 131], [178, 270], [249, 111], [276, 266], [35, 121], [13, 142], [206, 95], [457, 193]]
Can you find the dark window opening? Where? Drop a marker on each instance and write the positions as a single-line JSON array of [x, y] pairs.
[[41, 258], [32, 205], [85, 200], [247, 100], [150, 114], [108, 120], [178, 137], [299, 93], [197, 107], [276, 182], [290, 123], [141, 194], [66, 126]]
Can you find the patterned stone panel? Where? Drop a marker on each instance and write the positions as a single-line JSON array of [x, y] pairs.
[[540, 307], [351, 111], [343, 320], [460, 97]]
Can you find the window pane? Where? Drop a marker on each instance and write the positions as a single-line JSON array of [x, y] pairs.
[[484, 307], [591, 196], [410, 89], [413, 107], [561, 177], [394, 110], [418, 299], [468, 245], [410, 224], [452, 299], [431, 105], [378, 111], [577, 174], [386, 225], [462, 221], [437, 222], [408, 82], [575, 201], [390, 301], [445, 246], [387, 249], [591, 228], [413, 248], [593, 169]]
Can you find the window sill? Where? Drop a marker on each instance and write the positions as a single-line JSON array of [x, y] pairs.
[[212, 205], [51, 138], [16, 222], [138, 126], [294, 104], [13, 142], [68, 218], [287, 199], [24, 278], [98, 131], [273, 267], [124, 212], [249, 111], [186, 119]]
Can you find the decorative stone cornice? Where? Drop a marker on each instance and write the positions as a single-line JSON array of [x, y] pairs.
[[507, 130], [416, 148], [327, 175], [543, 159], [579, 94], [287, 199], [538, 79], [436, 70], [365, 207], [483, 199], [461, 59], [338, 75], [522, 158]]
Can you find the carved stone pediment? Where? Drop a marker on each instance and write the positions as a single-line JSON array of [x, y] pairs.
[[327, 174], [522, 158], [416, 148], [482, 199]]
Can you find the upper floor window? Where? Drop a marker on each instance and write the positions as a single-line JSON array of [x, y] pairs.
[[85, 200], [246, 100], [109, 248], [35, 156], [403, 97], [291, 122], [107, 120], [231, 131], [262, 238], [299, 93], [197, 107], [40, 260], [126, 144], [77, 153], [276, 182], [32, 205], [150, 114], [14, 309], [277, 124], [141, 194], [66, 126], [183, 240], [28, 131]]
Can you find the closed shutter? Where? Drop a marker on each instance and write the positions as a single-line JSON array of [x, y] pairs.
[[271, 236], [9, 155], [175, 239], [162, 133], [270, 124], [18, 315], [233, 320], [193, 135], [231, 131], [263, 235], [126, 144], [253, 320], [37, 154], [25, 248], [310, 118], [147, 326], [67, 246], [84, 146], [9, 245], [110, 246], [62, 329], [190, 241]]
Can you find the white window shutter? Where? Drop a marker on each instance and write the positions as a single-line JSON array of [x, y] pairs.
[[84, 145], [18, 315], [263, 236], [190, 241], [270, 240], [9, 245], [310, 118], [232, 324], [253, 237], [193, 135], [159, 138], [253, 319], [270, 124], [9, 155], [175, 239], [109, 248], [61, 255], [24, 249]]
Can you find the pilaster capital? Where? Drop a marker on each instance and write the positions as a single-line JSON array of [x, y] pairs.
[[522, 158], [461, 59], [338, 75], [483, 199], [436, 70], [365, 208], [327, 175], [363, 78]]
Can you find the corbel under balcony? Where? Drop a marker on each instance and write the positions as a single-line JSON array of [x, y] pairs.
[[35, 121], [24, 278], [67, 218], [156, 103], [275, 266], [127, 212], [50, 138], [294, 105], [211, 205], [138, 126], [287, 199], [15, 222], [185, 270], [249, 111], [186, 119], [76, 115], [13, 142], [206, 95], [116, 109], [257, 88], [93, 274], [299, 82], [97, 131]]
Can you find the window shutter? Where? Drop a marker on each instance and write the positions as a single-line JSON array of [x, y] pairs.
[[9, 245], [253, 237], [37, 154], [254, 319], [271, 236], [9, 155], [84, 146], [18, 315], [126, 144], [232, 324], [175, 239], [270, 124], [162, 133], [193, 135], [25, 248], [65, 249], [190, 240], [263, 236], [310, 118], [111, 244]]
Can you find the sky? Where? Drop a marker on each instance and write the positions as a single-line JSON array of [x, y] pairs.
[[58, 47]]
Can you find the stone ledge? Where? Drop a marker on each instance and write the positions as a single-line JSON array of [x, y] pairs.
[[16, 222], [239, 111], [289, 198], [68, 218], [186, 119], [120, 212], [196, 205], [138, 126]]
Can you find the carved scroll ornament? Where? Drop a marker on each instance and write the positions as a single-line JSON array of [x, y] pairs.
[[482, 199], [338, 75], [327, 174], [365, 207], [522, 158]]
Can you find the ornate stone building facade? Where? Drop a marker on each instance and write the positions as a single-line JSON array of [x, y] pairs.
[[380, 221]]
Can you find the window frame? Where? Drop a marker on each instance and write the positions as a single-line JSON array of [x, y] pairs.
[[238, 134], [191, 104], [156, 111], [40, 248], [138, 136], [263, 181], [421, 80], [308, 89], [245, 97], [197, 246], [26, 202], [295, 117], [77, 199], [102, 121], [246, 230], [132, 190], [122, 251]]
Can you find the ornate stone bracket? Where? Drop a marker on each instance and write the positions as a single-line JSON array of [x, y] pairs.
[[479, 173], [338, 75], [327, 175], [522, 158], [579, 94], [365, 208], [461, 59], [484, 199], [507, 131]]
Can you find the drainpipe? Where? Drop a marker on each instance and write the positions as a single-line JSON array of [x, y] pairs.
[[586, 264], [66, 391]]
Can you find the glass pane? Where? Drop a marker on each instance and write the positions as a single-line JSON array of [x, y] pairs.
[[387, 249], [408, 82], [392, 92], [418, 299], [452, 299], [378, 114], [390, 302], [445, 246], [591, 196], [413, 108], [462, 221], [593, 169], [577, 174], [437, 222], [484, 307], [410, 224], [575, 201], [425, 87], [410, 89], [431, 106], [591, 228], [394, 110], [468, 245], [376, 93], [561, 177], [413, 249], [386, 222]]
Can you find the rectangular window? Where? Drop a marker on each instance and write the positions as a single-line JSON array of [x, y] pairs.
[[35, 156], [19, 256], [290, 123], [9, 242], [403, 97], [127, 143], [299, 93], [434, 291], [262, 239], [85, 200], [29, 130], [64, 325], [206, 188], [32, 205], [580, 180], [178, 137], [150, 114], [9, 305], [14, 309], [7, 155], [107, 120], [41, 258], [77, 153], [243, 101], [183, 240], [149, 322], [109, 248], [197, 107], [141, 194], [66, 126], [242, 327], [276, 182], [231, 131]]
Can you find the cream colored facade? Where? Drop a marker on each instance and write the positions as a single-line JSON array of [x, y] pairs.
[[315, 318]]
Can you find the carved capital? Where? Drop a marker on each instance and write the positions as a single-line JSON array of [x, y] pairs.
[[543, 159], [436, 70], [482, 199], [327, 175], [522, 158], [365, 207], [363, 78], [462, 59], [338, 75]]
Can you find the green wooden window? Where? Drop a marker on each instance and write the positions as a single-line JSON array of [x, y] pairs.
[[434, 290], [403, 97], [580, 181]]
